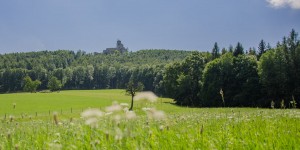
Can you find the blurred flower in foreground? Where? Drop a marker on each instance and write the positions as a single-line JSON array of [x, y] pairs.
[[152, 113], [124, 104], [119, 134], [91, 117], [148, 95], [93, 112], [146, 108], [113, 108], [130, 115]]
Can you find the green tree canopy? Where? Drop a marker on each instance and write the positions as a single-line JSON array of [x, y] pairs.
[[236, 76], [29, 85], [132, 88], [183, 80], [279, 70], [54, 84]]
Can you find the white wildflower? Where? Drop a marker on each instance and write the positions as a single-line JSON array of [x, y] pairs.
[[146, 109], [148, 95], [119, 134], [124, 104], [93, 122], [117, 118], [113, 108], [155, 114], [92, 116], [159, 115], [92, 113], [108, 113], [130, 115], [126, 109], [161, 127]]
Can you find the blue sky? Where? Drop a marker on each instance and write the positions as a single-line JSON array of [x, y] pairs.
[[93, 25]]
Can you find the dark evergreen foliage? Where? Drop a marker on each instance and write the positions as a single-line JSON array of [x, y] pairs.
[[261, 48], [215, 51], [239, 50], [243, 80], [279, 71]]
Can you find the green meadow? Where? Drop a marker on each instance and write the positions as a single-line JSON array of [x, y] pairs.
[[57, 101], [60, 120]]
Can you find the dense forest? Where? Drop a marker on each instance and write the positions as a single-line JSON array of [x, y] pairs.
[[233, 77], [79, 70], [268, 77]]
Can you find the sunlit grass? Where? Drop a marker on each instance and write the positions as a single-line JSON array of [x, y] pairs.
[[183, 128], [64, 100]]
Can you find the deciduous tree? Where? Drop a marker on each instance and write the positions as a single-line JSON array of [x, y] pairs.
[[54, 84], [29, 85], [132, 88]]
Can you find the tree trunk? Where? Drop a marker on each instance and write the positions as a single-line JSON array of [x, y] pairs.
[[131, 107]]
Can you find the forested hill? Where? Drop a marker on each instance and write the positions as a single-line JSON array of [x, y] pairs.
[[51, 60], [81, 70]]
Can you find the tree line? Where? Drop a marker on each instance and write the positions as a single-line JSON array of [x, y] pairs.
[[235, 78], [64, 69], [223, 77]]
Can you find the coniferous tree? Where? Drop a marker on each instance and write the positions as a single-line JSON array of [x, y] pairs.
[[252, 51], [268, 47], [239, 50], [293, 44], [230, 49], [292, 40], [261, 48], [224, 51], [215, 51]]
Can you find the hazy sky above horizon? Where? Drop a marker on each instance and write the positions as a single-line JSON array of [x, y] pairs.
[[94, 25]]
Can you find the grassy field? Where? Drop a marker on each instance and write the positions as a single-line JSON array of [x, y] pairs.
[[61, 121], [43, 102]]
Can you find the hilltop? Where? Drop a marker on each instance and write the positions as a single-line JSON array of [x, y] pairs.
[[81, 70]]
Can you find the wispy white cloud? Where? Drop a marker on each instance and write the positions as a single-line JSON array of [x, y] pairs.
[[295, 4]]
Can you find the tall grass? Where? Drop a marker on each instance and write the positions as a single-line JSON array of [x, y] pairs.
[[182, 128]]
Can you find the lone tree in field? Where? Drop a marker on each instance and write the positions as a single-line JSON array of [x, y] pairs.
[[54, 84], [132, 88]]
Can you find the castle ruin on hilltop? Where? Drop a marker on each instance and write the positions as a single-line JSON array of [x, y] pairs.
[[119, 47]]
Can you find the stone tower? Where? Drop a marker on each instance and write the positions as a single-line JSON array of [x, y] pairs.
[[119, 47]]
